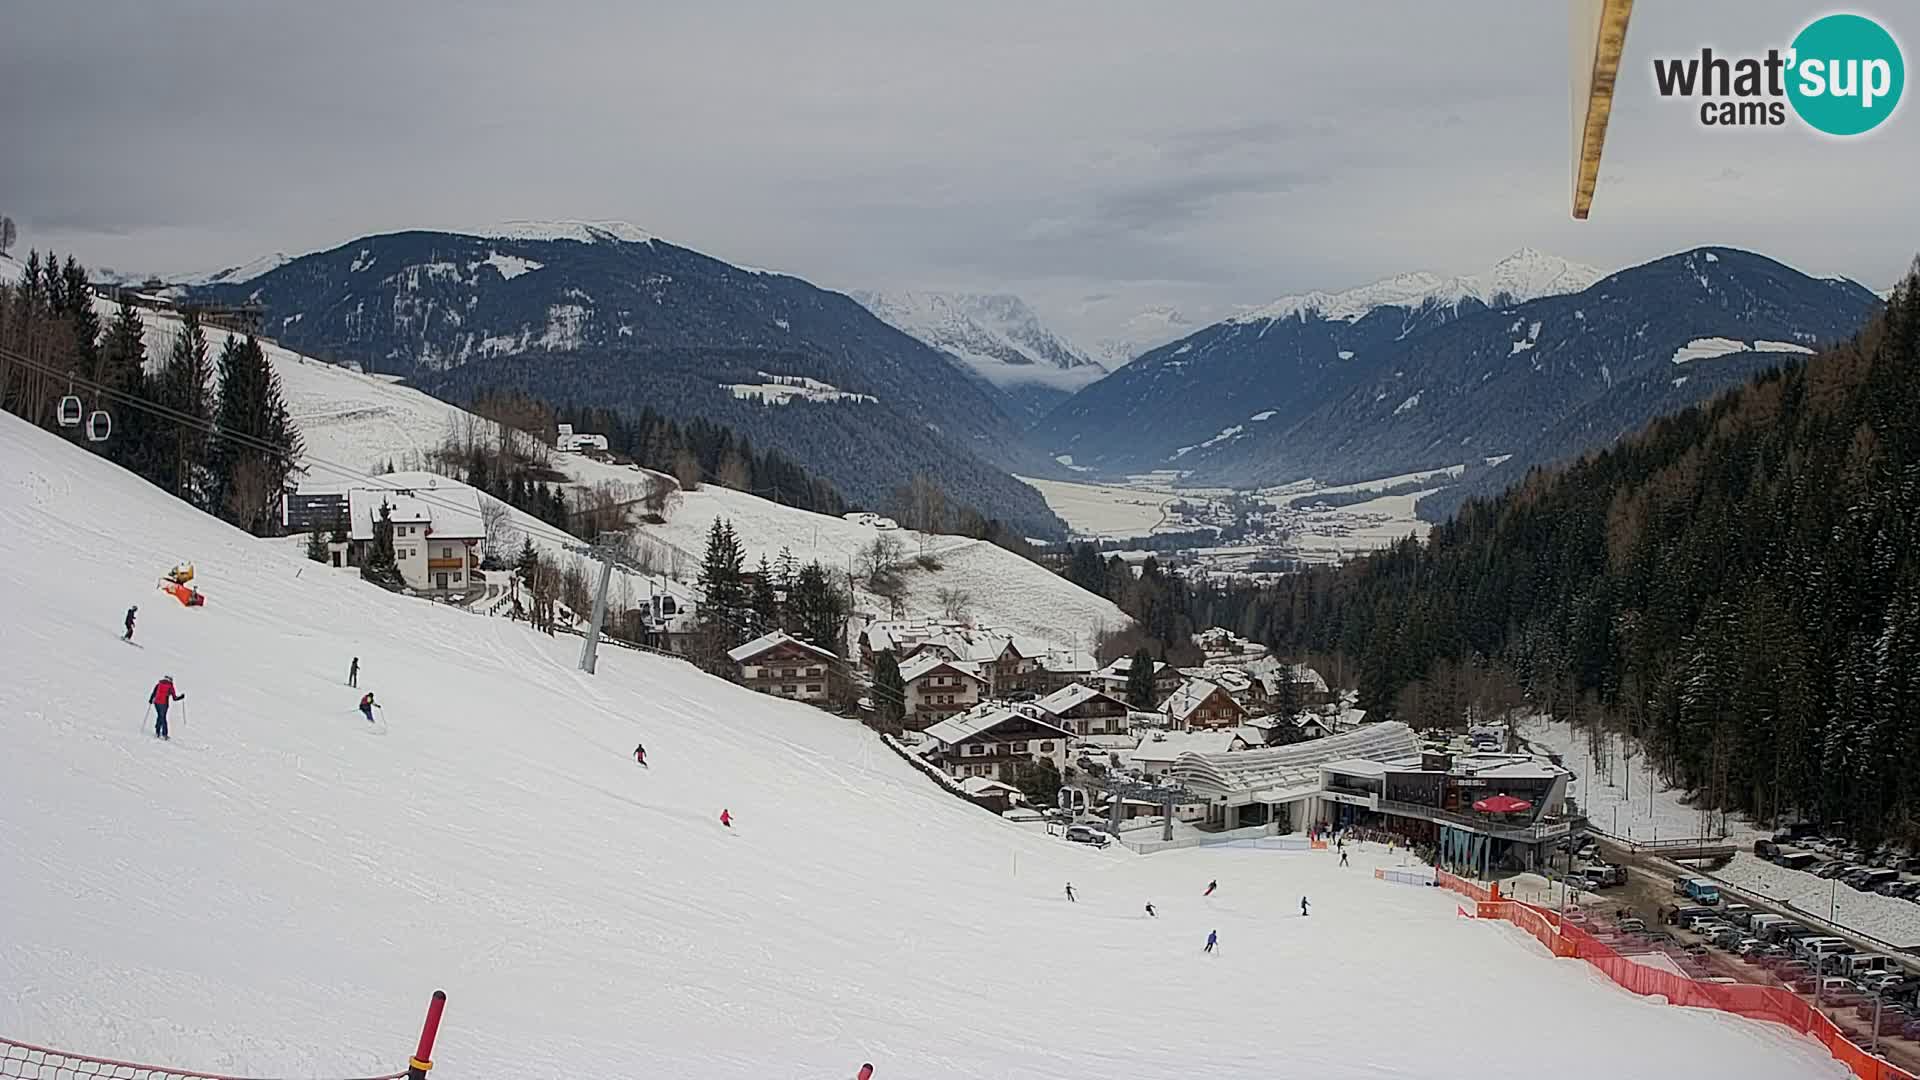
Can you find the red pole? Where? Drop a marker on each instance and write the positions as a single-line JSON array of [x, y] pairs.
[[423, 1056]]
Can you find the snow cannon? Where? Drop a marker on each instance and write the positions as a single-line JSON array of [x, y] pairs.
[[180, 574], [186, 594]]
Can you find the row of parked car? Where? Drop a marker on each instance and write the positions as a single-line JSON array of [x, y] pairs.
[[1828, 969], [1878, 871]]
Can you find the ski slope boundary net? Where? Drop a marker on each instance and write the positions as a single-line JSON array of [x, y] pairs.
[[1770, 1003], [29, 1062]]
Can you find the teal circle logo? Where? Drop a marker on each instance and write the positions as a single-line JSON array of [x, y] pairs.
[[1847, 74]]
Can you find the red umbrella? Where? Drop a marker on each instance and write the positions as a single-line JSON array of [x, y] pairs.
[[1502, 804]]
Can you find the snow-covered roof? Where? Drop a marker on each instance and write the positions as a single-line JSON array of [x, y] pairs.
[[1169, 747], [1289, 768], [924, 663], [766, 642], [1124, 665], [1071, 695], [983, 719], [1186, 701], [1107, 742], [980, 785], [1065, 661], [1358, 767], [450, 508]]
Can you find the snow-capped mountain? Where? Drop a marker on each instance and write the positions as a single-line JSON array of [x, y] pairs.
[[1524, 275], [1140, 334], [234, 275], [606, 313], [994, 335], [1419, 371]]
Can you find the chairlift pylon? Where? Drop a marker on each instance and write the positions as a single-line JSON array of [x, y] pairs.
[[69, 411], [99, 426]]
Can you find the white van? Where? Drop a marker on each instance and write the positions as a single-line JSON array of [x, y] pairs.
[[1860, 963], [1808, 948]]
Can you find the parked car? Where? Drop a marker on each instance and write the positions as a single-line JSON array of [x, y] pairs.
[[1678, 916], [1802, 983], [1698, 890], [1766, 849], [1798, 860], [1910, 1030], [1836, 990], [1631, 926], [1729, 939], [1827, 869], [1738, 914], [1087, 834], [1871, 880]]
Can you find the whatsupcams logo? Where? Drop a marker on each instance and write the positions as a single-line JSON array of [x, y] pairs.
[[1842, 76]]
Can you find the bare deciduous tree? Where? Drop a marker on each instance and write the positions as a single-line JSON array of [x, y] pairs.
[[954, 603], [879, 565]]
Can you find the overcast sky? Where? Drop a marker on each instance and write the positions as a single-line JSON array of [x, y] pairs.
[[1098, 158]]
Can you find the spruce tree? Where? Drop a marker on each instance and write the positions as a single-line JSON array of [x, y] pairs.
[[527, 563], [380, 566], [181, 449], [123, 359], [317, 546], [256, 443], [889, 692], [723, 592], [1140, 680], [819, 608], [762, 599]]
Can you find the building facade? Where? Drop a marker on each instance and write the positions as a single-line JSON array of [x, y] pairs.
[[784, 666], [1084, 710], [994, 741], [938, 688]]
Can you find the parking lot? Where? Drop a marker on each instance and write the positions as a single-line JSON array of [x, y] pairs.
[[1885, 871], [1727, 941]]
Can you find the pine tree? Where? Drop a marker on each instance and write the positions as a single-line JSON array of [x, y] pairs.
[[723, 592], [256, 443], [1140, 680], [380, 566], [123, 358], [762, 599], [181, 462], [317, 547], [527, 563], [819, 608], [889, 692]]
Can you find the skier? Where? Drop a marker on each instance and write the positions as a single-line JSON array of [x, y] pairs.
[[1211, 885], [130, 612], [640, 753], [1070, 893], [163, 695], [366, 706], [1213, 938], [1343, 857], [1303, 906], [353, 673], [726, 818], [1150, 913], [865, 1073]]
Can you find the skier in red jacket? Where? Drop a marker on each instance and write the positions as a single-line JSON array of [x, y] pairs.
[[726, 818], [164, 694]]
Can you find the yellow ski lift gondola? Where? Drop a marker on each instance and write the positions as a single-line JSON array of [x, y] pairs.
[[99, 426]]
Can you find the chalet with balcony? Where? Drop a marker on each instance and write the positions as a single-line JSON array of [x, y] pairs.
[[784, 666], [1202, 704], [993, 740], [938, 688], [1085, 711]]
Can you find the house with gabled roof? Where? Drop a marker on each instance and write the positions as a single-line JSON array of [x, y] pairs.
[[784, 666], [1202, 704], [938, 687], [993, 740], [1084, 710]]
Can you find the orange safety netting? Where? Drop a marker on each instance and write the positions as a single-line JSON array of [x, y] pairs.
[[1774, 1003], [29, 1062]]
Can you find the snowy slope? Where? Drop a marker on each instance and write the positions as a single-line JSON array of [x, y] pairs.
[[276, 891], [996, 335], [1139, 333], [1524, 275], [1009, 593], [234, 275]]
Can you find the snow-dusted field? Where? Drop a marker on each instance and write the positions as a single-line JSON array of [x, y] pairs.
[[1007, 592], [1104, 510], [1603, 793], [1890, 920], [277, 890]]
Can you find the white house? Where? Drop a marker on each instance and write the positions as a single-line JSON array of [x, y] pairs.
[[437, 528], [572, 442], [1155, 755], [993, 740], [938, 687]]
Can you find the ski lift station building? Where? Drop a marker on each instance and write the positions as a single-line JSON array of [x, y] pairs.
[[1381, 776]]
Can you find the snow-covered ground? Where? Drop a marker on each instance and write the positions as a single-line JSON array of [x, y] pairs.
[[1894, 921], [1006, 591], [1104, 510], [276, 891], [1626, 807]]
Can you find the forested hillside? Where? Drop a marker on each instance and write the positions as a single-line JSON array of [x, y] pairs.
[[1738, 585]]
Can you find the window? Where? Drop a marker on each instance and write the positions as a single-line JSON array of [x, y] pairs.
[[1046, 748], [976, 749], [813, 688], [1019, 748], [446, 553], [786, 690]]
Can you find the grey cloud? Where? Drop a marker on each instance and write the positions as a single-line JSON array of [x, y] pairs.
[[1199, 156]]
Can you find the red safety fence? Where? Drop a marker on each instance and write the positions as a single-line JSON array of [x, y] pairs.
[[1772, 1003], [29, 1062]]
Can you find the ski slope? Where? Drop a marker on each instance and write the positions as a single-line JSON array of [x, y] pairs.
[[1007, 592], [276, 891]]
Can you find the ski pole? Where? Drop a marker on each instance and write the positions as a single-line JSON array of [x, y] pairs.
[[144, 713]]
